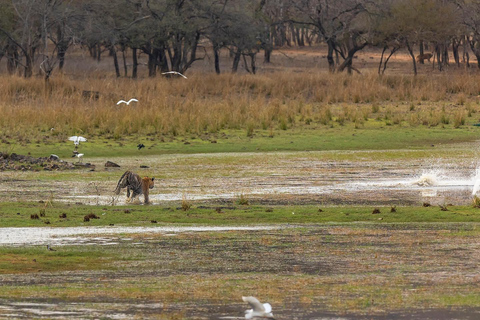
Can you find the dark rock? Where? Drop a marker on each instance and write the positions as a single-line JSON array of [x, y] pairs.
[[110, 164]]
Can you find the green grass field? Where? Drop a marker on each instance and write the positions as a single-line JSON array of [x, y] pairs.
[[19, 215], [374, 135]]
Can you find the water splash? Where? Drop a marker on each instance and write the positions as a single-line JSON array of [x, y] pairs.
[[476, 179], [429, 178]]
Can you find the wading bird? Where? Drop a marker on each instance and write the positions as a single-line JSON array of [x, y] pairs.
[[259, 310], [175, 72], [50, 248], [127, 102], [78, 155]]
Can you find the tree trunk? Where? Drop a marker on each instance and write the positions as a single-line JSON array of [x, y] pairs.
[[446, 57], [456, 55], [152, 64], [268, 55], [92, 49], [347, 63], [12, 58], [331, 48], [113, 52], [302, 36], [252, 61], [135, 63], [413, 58], [438, 51], [466, 56], [421, 52], [381, 59], [293, 33], [124, 58], [216, 55], [61, 52], [162, 59], [177, 53], [388, 58], [29, 56], [99, 52], [236, 60]]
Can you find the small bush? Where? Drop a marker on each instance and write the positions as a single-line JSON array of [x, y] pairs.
[[242, 200]]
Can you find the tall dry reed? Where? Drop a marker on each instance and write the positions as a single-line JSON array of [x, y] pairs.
[[211, 103]]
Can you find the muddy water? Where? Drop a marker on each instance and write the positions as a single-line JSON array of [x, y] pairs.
[[275, 178]]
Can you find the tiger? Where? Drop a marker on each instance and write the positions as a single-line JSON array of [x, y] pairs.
[[137, 185]]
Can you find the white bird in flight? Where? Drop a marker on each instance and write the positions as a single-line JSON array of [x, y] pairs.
[[127, 102], [174, 72], [76, 139], [259, 310]]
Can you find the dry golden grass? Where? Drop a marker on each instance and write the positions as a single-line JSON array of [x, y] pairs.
[[211, 103]]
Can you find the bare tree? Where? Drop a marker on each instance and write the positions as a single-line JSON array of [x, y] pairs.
[[471, 21], [341, 24]]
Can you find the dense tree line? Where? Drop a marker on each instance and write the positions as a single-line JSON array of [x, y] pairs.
[[174, 34]]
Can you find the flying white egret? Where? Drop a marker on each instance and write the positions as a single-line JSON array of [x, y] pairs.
[[76, 139], [127, 102], [259, 310], [174, 72]]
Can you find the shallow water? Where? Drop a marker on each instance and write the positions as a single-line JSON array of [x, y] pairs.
[[274, 178], [104, 235]]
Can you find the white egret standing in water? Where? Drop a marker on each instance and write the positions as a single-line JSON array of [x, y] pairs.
[[79, 156]]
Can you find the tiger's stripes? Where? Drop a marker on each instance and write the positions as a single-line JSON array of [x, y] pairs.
[[137, 185]]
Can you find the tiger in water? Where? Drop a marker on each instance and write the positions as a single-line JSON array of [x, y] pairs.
[[137, 185]]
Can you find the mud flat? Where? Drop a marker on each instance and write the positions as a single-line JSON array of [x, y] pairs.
[[334, 271]]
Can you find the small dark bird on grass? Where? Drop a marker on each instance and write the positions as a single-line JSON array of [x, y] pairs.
[[140, 146], [50, 248]]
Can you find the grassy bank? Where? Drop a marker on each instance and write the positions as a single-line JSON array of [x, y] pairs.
[[69, 215], [374, 135]]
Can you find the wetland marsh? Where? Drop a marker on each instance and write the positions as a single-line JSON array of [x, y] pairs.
[[321, 194]]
